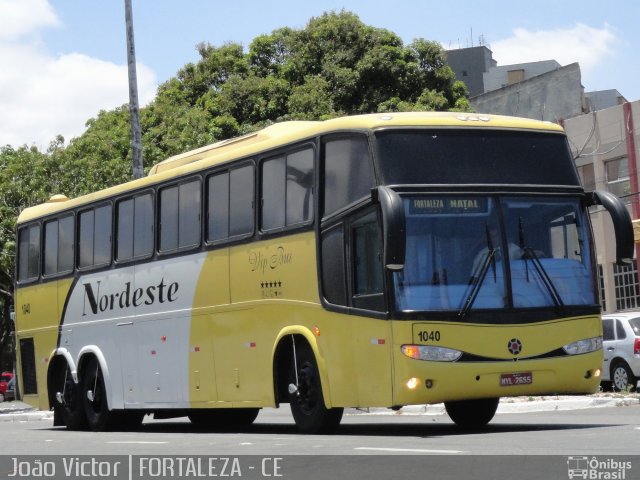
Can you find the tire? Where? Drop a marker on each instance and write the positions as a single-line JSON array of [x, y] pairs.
[[97, 413], [472, 414], [71, 411], [622, 377], [223, 418], [307, 403]]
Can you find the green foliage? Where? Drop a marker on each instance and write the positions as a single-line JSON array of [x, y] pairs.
[[334, 66]]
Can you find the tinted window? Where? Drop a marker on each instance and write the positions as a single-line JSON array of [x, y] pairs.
[[218, 207], [347, 172], [620, 333], [58, 246], [273, 193], [368, 266], [300, 187], [635, 325], [135, 227], [169, 219], [607, 329], [333, 266], [241, 218], [95, 237], [287, 190], [180, 216], [444, 156], [29, 253]]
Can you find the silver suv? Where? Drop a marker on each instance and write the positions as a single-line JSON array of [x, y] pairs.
[[621, 345]]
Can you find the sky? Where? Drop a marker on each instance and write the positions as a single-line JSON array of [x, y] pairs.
[[62, 61]]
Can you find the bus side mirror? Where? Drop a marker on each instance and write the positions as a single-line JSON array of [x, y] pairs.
[[393, 226], [622, 225]]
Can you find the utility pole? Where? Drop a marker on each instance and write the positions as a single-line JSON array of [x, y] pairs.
[[134, 109]]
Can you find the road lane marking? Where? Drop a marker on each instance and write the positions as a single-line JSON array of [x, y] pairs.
[[411, 450], [126, 442]]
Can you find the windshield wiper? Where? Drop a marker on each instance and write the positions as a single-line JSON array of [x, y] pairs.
[[530, 254], [477, 282]]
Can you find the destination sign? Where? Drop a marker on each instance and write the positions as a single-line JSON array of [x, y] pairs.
[[448, 205]]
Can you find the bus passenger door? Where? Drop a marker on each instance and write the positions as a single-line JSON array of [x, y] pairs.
[[352, 276], [372, 335]]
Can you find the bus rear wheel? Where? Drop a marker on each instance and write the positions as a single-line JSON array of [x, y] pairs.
[[305, 395], [472, 413], [94, 398], [68, 401]]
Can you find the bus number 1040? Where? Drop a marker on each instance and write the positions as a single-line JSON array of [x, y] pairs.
[[429, 336]]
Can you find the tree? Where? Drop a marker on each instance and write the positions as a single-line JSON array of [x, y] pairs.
[[334, 66]]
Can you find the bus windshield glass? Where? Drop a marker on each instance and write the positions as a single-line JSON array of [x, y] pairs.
[[479, 156], [469, 253]]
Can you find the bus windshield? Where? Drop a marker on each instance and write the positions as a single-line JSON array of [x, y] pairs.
[[467, 253]]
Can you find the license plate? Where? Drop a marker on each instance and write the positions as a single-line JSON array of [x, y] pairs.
[[513, 379]]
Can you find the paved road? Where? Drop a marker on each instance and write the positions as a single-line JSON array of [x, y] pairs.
[[533, 439]]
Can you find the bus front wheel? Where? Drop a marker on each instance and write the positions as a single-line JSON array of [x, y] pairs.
[[305, 395], [472, 413]]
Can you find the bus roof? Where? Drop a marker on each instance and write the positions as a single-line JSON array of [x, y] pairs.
[[281, 134]]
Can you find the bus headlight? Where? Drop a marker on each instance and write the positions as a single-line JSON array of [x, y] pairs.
[[583, 346], [431, 353]]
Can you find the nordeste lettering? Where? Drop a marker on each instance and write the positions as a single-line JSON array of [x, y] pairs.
[[96, 301]]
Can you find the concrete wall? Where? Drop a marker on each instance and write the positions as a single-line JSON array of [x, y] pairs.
[[469, 64], [552, 96], [496, 77]]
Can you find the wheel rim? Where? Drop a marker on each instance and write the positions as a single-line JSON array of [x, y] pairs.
[[620, 378], [98, 393]]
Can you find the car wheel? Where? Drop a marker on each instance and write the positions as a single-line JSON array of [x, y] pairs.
[[622, 377]]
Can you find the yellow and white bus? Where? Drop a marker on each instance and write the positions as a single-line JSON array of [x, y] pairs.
[[354, 262]]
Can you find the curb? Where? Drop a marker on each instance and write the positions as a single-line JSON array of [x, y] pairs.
[[511, 405]]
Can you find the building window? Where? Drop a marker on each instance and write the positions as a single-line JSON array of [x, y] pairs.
[[587, 177], [603, 298], [626, 284], [617, 172]]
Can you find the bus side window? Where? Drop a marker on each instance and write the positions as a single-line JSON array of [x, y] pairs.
[[334, 283], [230, 204], [58, 246], [180, 216], [95, 237], [348, 175], [241, 203], [134, 220], [29, 253], [287, 190], [367, 263]]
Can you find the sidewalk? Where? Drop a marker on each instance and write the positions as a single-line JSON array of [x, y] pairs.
[[17, 411], [521, 404]]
